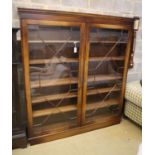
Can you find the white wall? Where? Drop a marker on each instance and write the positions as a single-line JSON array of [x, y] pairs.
[[125, 8]]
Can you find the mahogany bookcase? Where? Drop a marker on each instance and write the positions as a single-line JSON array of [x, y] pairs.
[[75, 70]]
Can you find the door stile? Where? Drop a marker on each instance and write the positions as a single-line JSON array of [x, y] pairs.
[[85, 73], [25, 58], [81, 70], [128, 50]]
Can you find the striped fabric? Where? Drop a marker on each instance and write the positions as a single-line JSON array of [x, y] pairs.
[[133, 103]]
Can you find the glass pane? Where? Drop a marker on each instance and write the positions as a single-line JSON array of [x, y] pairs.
[[105, 72], [54, 54]]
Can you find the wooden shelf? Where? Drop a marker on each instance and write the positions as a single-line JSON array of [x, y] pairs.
[[45, 112], [77, 41], [101, 90], [53, 60], [46, 98], [107, 103], [65, 81], [39, 99], [54, 41], [69, 108], [73, 60], [113, 58], [104, 77], [109, 42], [53, 82]]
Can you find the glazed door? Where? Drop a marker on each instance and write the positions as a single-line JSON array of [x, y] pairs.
[[53, 75], [106, 57]]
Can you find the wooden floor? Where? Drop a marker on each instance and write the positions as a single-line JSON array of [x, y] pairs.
[[121, 139]]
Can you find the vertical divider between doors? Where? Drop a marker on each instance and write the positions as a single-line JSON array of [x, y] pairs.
[[80, 76], [25, 59], [85, 73], [81, 70]]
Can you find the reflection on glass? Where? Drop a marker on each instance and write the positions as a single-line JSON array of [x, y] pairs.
[[54, 52], [105, 71]]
